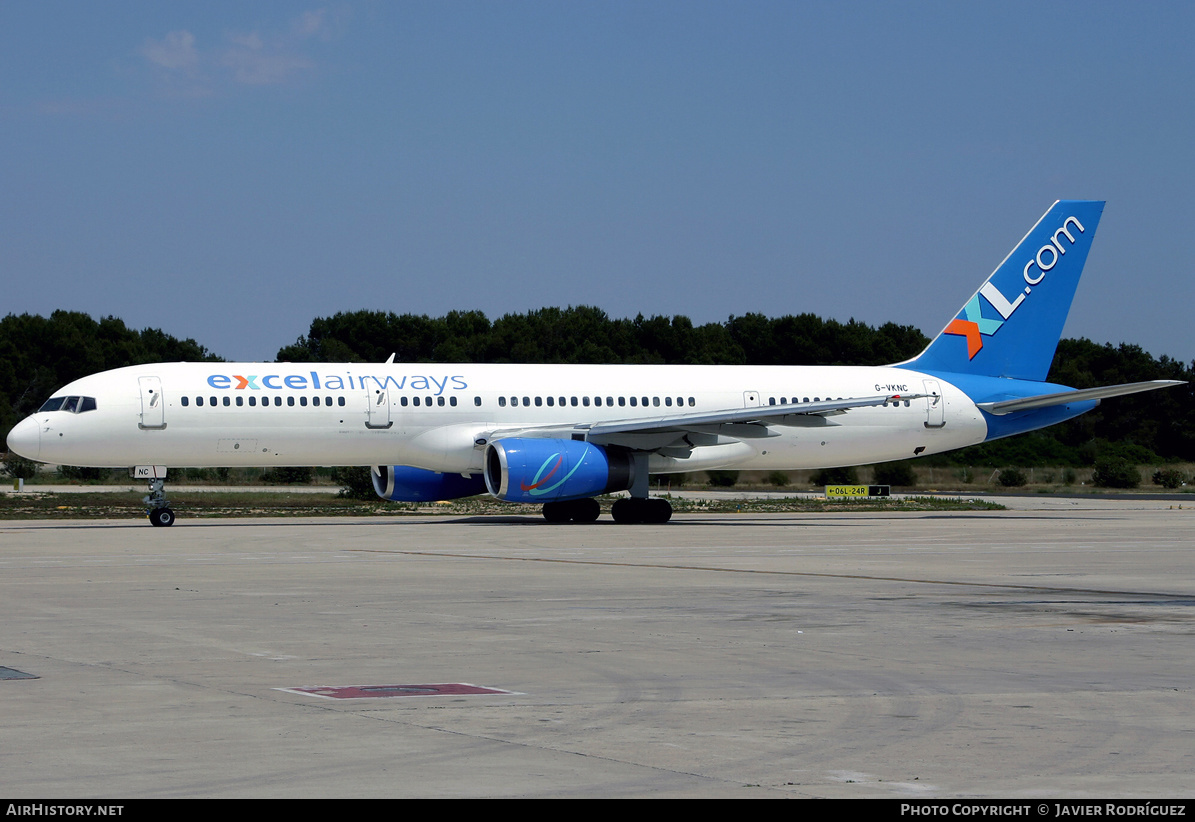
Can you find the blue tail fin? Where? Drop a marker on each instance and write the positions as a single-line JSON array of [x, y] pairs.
[[1011, 325]]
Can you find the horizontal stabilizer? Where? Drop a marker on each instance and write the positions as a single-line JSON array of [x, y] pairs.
[[1046, 400]]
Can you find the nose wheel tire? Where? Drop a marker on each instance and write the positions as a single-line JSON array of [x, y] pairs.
[[161, 517]]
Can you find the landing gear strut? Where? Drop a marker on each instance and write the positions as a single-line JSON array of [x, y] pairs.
[[639, 508], [158, 506]]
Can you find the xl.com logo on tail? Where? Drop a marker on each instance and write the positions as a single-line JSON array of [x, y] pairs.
[[975, 326]]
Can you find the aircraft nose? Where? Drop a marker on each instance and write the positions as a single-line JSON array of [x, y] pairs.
[[25, 438]]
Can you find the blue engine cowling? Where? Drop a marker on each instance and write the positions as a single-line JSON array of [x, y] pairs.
[[402, 483], [544, 470]]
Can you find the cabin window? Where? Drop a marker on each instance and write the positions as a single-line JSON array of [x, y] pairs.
[[477, 401], [186, 401], [199, 400]]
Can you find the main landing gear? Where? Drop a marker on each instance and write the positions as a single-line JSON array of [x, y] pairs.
[[573, 510], [158, 506], [637, 509], [642, 510], [626, 511]]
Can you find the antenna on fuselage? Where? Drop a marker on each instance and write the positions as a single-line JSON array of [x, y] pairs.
[[391, 360]]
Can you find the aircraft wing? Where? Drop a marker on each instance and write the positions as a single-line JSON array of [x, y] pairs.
[[754, 415], [1079, 395], [751, 422]]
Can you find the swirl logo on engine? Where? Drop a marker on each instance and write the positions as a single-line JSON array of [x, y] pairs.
[[536, 488]]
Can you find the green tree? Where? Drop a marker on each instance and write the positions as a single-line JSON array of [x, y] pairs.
[[895, 473]]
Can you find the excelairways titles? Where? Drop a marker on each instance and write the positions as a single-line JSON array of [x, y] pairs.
[[336, 382], [976, 324]]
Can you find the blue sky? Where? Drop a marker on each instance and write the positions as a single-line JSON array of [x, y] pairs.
[[229, 170]]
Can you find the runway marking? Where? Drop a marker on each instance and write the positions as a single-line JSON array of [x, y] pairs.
[[820, 574], [392, 691]]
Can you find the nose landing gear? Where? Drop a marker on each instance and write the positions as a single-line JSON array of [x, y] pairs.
[[158, 507]]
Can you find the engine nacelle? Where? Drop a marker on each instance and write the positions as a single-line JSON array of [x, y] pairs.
[[545, 470], [402, 483]]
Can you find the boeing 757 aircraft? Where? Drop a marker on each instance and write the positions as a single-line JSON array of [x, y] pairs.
[[561, 435]]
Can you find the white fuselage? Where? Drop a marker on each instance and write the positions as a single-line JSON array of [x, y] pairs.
[[438, 416]]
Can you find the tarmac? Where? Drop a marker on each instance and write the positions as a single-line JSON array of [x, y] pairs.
[[1046, 651]]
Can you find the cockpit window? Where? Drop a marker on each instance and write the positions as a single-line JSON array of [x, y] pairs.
[[75, 405]]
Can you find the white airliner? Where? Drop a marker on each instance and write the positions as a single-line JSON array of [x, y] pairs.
[[564, 434]]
